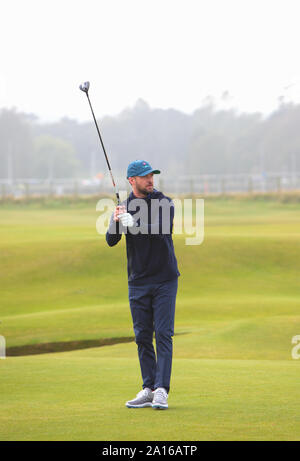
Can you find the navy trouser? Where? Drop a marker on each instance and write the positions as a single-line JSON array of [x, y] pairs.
[[153, 310]]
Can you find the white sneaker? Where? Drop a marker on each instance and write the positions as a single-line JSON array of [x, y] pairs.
[[143, 399], [160, 400]]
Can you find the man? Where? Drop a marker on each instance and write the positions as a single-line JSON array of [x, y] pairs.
[[152, 279]]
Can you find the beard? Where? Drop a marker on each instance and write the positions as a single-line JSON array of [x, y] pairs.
[[144, 190]]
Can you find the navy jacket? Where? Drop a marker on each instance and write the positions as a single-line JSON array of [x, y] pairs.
[[150, 256]]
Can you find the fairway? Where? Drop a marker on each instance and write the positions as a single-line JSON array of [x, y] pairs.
[[238, 307]]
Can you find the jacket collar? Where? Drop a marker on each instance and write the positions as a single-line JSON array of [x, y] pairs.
[[149, 196]]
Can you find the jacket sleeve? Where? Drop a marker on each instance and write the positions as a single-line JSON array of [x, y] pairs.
[[114, 232]]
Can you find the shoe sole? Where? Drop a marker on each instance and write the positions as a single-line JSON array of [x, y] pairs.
[[159, 407], [143, 405]]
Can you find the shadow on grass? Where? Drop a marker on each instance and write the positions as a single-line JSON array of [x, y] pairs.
[[64, 346]]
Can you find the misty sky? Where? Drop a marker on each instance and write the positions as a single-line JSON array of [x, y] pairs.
[[171, 53]]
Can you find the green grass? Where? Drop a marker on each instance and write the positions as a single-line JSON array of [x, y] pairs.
[[81, 396], [237, 311]]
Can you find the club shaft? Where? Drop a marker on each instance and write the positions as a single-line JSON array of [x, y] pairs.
[[106, 158]]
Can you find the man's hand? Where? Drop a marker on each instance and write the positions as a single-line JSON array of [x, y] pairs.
[[121, 209], [126, 219], [120, 214]]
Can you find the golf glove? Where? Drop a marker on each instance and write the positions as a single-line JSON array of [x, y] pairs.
[[126, 219]]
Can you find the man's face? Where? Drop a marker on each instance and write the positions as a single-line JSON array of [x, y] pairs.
[[142, 184]]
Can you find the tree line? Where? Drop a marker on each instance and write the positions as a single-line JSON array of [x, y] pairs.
[[209, 141]]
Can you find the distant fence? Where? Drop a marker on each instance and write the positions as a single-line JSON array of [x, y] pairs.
[[191, 184]]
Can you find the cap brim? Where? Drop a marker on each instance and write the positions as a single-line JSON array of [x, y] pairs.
[[149, 171]]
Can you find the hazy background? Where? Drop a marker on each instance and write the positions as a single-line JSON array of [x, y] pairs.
[[196, 87]]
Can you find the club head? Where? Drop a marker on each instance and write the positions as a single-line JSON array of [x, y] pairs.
[[85, 87]]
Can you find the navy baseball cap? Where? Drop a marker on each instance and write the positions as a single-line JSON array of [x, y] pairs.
[[140, 168]]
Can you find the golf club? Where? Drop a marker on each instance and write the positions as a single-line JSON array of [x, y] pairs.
[[85, 88]]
